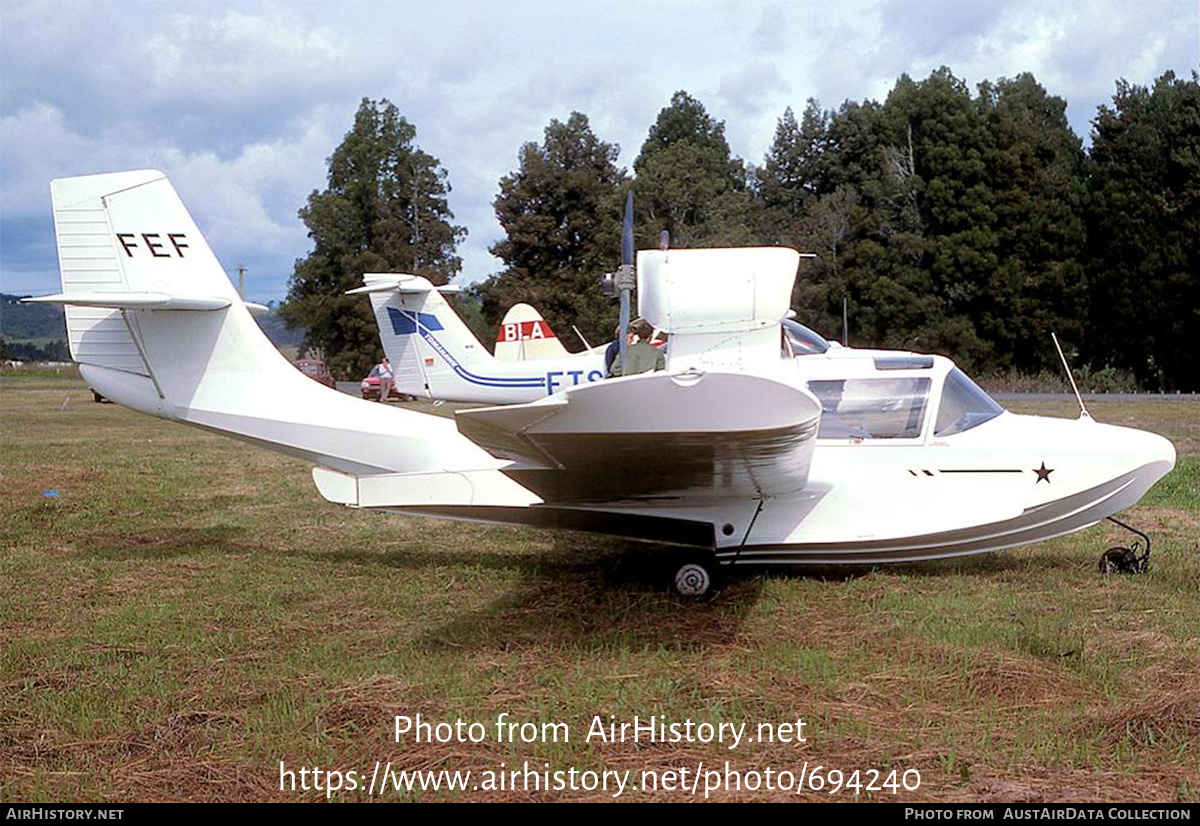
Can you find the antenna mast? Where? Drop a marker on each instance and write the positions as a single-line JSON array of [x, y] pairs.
[[1083, 414]]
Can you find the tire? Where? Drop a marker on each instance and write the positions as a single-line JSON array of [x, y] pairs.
[[1118, 561], [693, 579]]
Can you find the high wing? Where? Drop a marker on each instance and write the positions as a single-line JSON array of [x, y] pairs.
[[655, 436], [687, 459]]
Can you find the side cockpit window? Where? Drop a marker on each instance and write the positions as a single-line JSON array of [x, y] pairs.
[[883, 408], [964, 405]]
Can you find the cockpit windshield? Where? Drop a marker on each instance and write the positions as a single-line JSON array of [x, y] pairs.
[[964, 405], [801, 340]]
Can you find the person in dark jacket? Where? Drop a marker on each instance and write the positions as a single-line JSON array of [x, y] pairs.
[[641, 356]]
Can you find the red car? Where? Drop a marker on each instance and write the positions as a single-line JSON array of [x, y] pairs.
[[370, 388], [317, 371]]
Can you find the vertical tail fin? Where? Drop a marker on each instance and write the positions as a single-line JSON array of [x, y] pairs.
[[115, 255], [157, 326], [524, 334], [435, 355], [433, 352]]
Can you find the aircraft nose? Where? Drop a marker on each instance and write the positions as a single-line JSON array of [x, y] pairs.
[[1156, 448], [1143, 449], [1168, 450]]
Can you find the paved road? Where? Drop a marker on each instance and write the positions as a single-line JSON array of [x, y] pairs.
[[1096, 397]]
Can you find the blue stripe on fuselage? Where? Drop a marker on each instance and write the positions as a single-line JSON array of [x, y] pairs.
[[407, 322]]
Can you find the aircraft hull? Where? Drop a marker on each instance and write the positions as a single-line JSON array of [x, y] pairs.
[[1058, 518], [874, 505]]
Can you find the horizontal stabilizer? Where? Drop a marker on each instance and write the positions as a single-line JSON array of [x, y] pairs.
[[402, 283], [134, 301]]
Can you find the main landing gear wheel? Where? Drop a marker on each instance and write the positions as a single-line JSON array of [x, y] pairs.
[[694, 579]]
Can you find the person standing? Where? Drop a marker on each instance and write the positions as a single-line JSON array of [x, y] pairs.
[[612, 352], [385, 379], [641, 354]]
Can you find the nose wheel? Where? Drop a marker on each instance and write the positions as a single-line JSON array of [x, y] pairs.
[[695, 578], [1134, 559]]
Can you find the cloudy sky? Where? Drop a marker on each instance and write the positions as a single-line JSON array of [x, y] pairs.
[[241, 103]]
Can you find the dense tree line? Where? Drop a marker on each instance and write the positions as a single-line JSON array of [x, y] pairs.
[[968, 223], [31, 332], [56, 350]]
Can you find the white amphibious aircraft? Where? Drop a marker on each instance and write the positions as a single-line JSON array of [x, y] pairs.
[[745, 456], [435, 355]]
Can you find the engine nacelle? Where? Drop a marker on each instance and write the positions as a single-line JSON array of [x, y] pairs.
[[717, 290]]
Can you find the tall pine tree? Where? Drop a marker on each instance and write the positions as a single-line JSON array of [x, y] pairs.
[[561, 215], [688, 182], [385, 209], [1035, 174], [790, 179]]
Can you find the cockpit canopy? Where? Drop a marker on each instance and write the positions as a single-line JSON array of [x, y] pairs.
[[894, 406]]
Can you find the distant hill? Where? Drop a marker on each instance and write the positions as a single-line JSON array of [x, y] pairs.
[[20, 322], [45, 322], [274, 328]]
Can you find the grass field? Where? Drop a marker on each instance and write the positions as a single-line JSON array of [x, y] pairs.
[[180, 613]]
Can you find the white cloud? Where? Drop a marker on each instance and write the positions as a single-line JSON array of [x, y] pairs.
[[245, 204], [37, 146], [243, 58], [771, 34], [745, 90]]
